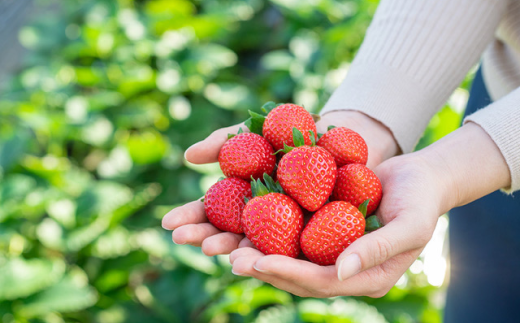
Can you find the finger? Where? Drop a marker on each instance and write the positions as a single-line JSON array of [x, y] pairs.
[[374, 282], [190, 213], [194, 234], [221, 243], [243, 266], [246, 243], [396, 237], [296, 271], [206, 151], [244, 252]]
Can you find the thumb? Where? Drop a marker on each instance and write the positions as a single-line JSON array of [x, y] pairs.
[[373, 249], [207, 150]]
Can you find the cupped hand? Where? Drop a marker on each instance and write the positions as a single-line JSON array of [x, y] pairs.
[[411, 205], [189, 222]]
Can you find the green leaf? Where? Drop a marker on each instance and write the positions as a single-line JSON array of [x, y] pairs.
[[268, 107], [240, 131], [258, 188], [279, 188], [277, 314], [298, 137], [320, 135], [329, 128], [363, 207], [255, 123], [230, 135], [147, 147], [21, 278], [372, 224], [71, 294], [253, 186], [271, 185], [285, 149], [112, 244], [312, 137]]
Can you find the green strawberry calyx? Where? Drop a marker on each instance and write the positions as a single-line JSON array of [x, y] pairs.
[[372, 224], [298, 140], [259, 189], [363, 208], [256, 122], [231, 135]]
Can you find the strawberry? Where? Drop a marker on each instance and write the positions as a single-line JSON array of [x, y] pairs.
[[357, 183], [330, 231], [277, 126], [273, 221], [345, 145], [281, 120], [224, 203], [246, 155], [307, 173]]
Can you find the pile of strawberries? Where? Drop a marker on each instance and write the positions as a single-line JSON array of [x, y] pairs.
[[325, 174]]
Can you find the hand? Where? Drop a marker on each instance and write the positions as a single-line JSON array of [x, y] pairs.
[[417, 188], [189, 221], [373, 263]]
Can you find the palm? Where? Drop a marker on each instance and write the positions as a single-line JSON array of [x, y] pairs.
[[385, 254]]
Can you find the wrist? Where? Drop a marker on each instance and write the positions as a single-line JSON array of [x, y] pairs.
[[380, 141], [468, 165]]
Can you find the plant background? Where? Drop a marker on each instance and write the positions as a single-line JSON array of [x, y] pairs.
[[92, 132]]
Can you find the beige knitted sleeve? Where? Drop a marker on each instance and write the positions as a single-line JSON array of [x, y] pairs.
[[415, 53], [501, 120]]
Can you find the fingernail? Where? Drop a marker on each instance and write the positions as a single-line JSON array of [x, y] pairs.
[[235, 272], [260, 270], [195, 144], [349, 266]]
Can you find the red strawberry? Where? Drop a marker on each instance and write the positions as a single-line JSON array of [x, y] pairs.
[[280, 121], [224, 203], [273, 221], [345, 145], [355, 184], [246, 155], [330, 231], [307, 174]]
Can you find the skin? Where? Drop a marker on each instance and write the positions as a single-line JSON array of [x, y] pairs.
[[418, 188]]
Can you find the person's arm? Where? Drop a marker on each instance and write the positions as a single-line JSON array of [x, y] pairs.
[[418, 188], [415, 53]]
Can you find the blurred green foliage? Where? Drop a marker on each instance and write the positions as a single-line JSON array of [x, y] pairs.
[[92, 134]]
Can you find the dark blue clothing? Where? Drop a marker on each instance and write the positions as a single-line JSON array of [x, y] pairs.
[[484, 250]]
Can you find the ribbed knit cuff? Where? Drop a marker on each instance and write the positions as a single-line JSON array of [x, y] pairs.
[[388, 96], [501, 120]]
